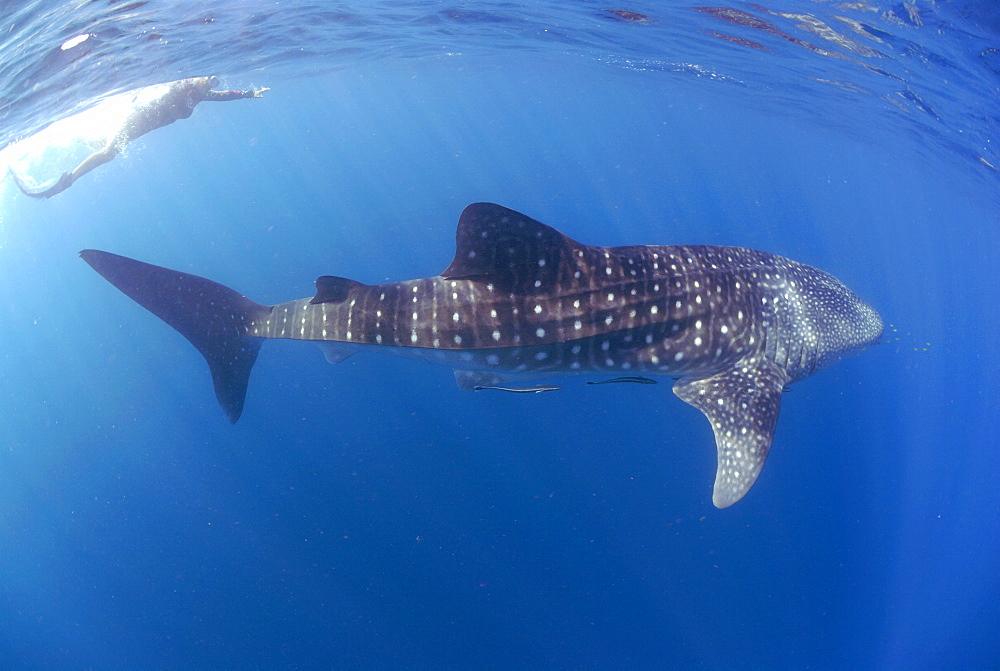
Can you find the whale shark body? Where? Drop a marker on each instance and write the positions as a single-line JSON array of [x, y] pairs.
[[522, 302]]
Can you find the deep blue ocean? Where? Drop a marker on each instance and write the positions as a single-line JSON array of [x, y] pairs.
[[371, 514]]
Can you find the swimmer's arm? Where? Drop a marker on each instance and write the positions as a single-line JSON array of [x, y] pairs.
[[234, 95]]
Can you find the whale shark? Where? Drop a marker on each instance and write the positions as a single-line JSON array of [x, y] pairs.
[[522, 302]]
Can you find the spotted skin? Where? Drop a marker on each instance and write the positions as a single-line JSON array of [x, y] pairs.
[[521, 302]]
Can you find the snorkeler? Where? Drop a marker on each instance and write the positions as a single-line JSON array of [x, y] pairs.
[[177, 102]]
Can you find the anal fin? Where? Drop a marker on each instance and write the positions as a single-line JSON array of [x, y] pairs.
[[741, 402], [335, 352]]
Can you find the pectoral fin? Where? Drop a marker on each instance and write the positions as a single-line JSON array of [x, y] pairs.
[[741, 402]]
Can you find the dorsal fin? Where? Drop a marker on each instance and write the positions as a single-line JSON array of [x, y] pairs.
[[332, 289], [497, 245]]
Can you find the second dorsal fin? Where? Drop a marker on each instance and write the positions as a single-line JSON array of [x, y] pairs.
[[332, 289]]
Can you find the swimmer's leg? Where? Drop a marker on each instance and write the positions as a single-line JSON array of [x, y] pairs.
[[46, 190], [97, 158], [66, 180]]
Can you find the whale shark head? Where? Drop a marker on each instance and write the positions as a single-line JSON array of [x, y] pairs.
[[843, 322]]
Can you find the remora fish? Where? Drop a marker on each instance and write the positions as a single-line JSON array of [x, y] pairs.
[[537, 389], [634, 379], [522, 301]]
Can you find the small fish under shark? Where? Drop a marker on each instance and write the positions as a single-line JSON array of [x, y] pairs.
[[522, 302], [535, 389], [629, 379]]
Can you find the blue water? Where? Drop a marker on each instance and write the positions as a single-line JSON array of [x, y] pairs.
[[371, 515]]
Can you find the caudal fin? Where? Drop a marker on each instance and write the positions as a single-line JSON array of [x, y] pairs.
[[211, 316]]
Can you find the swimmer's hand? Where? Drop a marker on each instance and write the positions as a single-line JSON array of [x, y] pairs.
[[259, 93]]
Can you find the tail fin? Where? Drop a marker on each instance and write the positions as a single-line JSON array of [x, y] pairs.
[[211, 316]]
